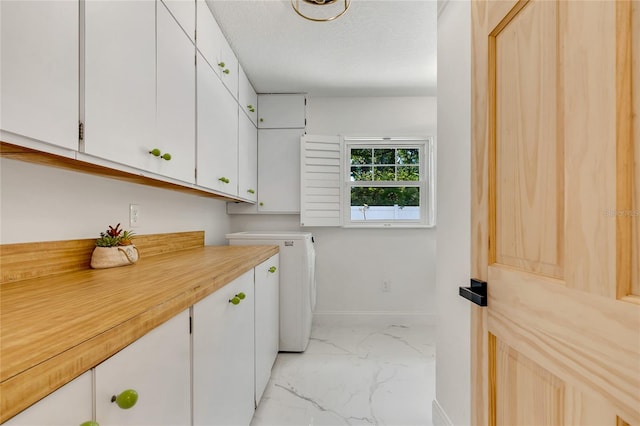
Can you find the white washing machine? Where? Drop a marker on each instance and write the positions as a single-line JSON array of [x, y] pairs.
[[297, 282]]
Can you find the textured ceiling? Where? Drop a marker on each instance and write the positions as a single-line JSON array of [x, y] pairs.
[[377, 48]]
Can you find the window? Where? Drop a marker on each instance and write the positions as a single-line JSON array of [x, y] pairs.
[[367, 182], [389, 182]]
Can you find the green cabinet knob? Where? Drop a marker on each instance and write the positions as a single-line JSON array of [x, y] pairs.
[[126, 399], [261, 203], [166, 156], [221, 64], [241, 296], [251, 108], [155, 152], [251, 191], [261, 120], [273, 269], [235, 300], [226, 71], [224, 179], [89, 423]]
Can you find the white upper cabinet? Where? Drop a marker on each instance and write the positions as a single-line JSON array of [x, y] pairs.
[[176, 93], [217, 134], [281, 111], [157, 367], [247, 97], [139, 94], [184, 11], [120, 83], [247, 159], [39, 71], [69, 405], [215, 49], [279, 170], [209, 39]]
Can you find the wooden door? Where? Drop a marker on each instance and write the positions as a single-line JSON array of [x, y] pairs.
[[556, 212]]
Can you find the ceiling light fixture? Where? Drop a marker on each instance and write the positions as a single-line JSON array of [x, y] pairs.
[[312, 6]]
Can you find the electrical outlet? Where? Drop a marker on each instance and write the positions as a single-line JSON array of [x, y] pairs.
[[386, 286], [134, 215]]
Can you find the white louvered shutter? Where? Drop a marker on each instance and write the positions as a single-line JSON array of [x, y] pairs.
[[321, 180]]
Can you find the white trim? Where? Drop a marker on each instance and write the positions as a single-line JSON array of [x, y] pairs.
[[381, 318], [438, 415], [442, 5]]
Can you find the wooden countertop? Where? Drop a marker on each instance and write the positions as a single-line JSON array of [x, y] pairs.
[[52, 329]]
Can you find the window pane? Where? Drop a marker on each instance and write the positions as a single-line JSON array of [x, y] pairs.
[[384, 173], [361, 156], [359, 173], [408, 156], [385, 196], [395, 203], [384, 156], [409, 173]]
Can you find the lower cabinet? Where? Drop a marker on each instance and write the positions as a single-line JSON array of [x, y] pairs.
[[267, 285], [223, 355], [157, 367], [216, 360], [68, 406]]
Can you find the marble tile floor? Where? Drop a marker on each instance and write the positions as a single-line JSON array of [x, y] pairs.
[[354, 375]]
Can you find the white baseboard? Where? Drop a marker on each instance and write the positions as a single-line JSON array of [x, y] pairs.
[[374, 318], [438, 416]]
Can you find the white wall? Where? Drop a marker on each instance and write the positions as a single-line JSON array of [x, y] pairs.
[[40, 203], [452, 405], [353, 263]]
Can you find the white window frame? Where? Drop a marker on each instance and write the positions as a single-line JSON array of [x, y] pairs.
[[426, 182]]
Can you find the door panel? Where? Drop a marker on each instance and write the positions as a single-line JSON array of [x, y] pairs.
[[529, 177], [555, 223], [527, 393]]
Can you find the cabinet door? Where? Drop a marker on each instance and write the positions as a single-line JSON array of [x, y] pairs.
[[229, 73], [217, 135], [176, 92], [281, 111], [120, 83], [69, 405], [279, 170], [247, 97], [157, 366], [267, 311], [223, 356], [39, 71], [209, 41], [185, 13], [247, 159]]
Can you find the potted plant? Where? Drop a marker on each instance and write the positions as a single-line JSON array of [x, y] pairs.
[[114, 248]]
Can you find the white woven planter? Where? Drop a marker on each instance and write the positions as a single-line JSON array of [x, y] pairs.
[[110, 257]]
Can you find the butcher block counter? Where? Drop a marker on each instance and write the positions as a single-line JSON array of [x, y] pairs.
[[54, 328]]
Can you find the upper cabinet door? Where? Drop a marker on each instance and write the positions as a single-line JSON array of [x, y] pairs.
[[176, 99], [217, 137], [120, 83], [230, 69], [247, 158], [184, 11], [281, 111], [215, 49], [39, 74], [139, 89], [247, 97]]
